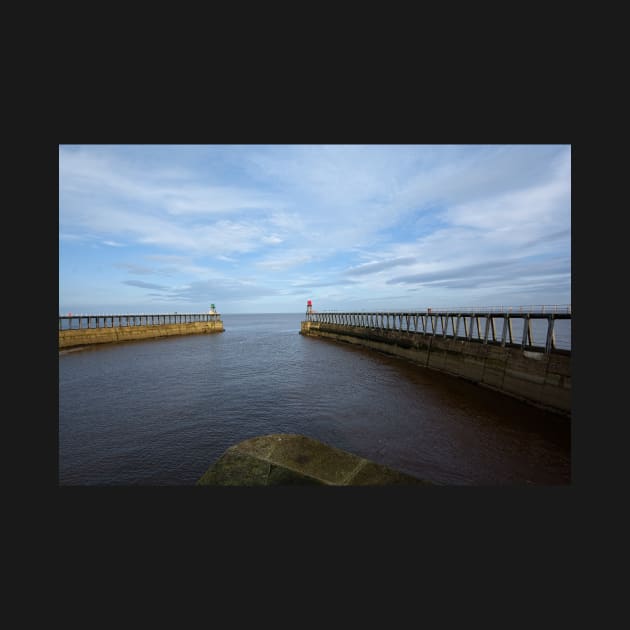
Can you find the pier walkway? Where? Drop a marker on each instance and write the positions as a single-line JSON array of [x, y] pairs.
[[78, 322], [87, 330], [527, 327]]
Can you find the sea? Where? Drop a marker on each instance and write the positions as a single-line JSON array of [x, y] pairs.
[[160, 412]]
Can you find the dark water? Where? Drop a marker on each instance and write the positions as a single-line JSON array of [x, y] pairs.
[[160, 412]]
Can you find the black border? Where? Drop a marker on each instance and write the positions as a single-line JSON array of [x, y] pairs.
[[360, 521]]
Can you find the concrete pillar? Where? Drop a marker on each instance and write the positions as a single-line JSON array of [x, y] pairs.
[[487, 329], [527, 331], [524, 339], [551, 341]]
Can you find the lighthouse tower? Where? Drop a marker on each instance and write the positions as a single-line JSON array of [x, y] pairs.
[[309, 309]]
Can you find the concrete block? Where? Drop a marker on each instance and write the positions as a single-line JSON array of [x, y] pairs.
[[293, 459]]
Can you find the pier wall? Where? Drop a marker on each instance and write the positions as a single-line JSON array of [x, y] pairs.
[[542, 379], [89, 336]]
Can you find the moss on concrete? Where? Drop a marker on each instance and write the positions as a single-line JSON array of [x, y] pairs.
[[290, 459]]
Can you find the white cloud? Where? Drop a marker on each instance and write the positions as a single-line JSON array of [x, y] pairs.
[[380, 265], [213, 200], [284, 261]]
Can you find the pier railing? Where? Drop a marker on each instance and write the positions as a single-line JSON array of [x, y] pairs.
[[78, 322], [541, 328]]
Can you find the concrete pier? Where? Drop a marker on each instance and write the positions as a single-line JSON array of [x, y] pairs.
[[291, 459], [116, 328]]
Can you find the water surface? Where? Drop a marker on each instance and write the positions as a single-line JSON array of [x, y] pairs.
[[161, 411]]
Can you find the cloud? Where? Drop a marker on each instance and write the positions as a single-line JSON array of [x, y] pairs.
[[67, 236], [373, 267], [144, 285], [104, 195], [464, 175], [218, 237], [221, 289], [452, 273], [342, 221], [284, 261], [137, 269], [213, 200], [554, 236], [86, 171], [491, 274], [331, 283]]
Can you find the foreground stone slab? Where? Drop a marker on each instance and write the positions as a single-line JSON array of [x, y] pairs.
[[291, 459]]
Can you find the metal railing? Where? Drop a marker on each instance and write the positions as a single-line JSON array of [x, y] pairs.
[[81, 322], [538, 308], [542, 308], [544, 328]]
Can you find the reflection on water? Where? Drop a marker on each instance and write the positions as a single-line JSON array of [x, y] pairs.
[[159, 412]]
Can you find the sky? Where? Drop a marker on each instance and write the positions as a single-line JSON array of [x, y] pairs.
[[264, 228]]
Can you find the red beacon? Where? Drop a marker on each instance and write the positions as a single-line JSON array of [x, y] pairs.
[[309, 307]]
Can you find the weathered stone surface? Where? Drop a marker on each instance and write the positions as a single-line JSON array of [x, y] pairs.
[[234, 467], [290, 459], [91, 336], [373, 474]]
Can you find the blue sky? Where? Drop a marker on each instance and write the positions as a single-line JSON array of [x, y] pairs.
[[264, 228]]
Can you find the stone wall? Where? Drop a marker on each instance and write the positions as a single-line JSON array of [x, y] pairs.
[[89, 336]]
